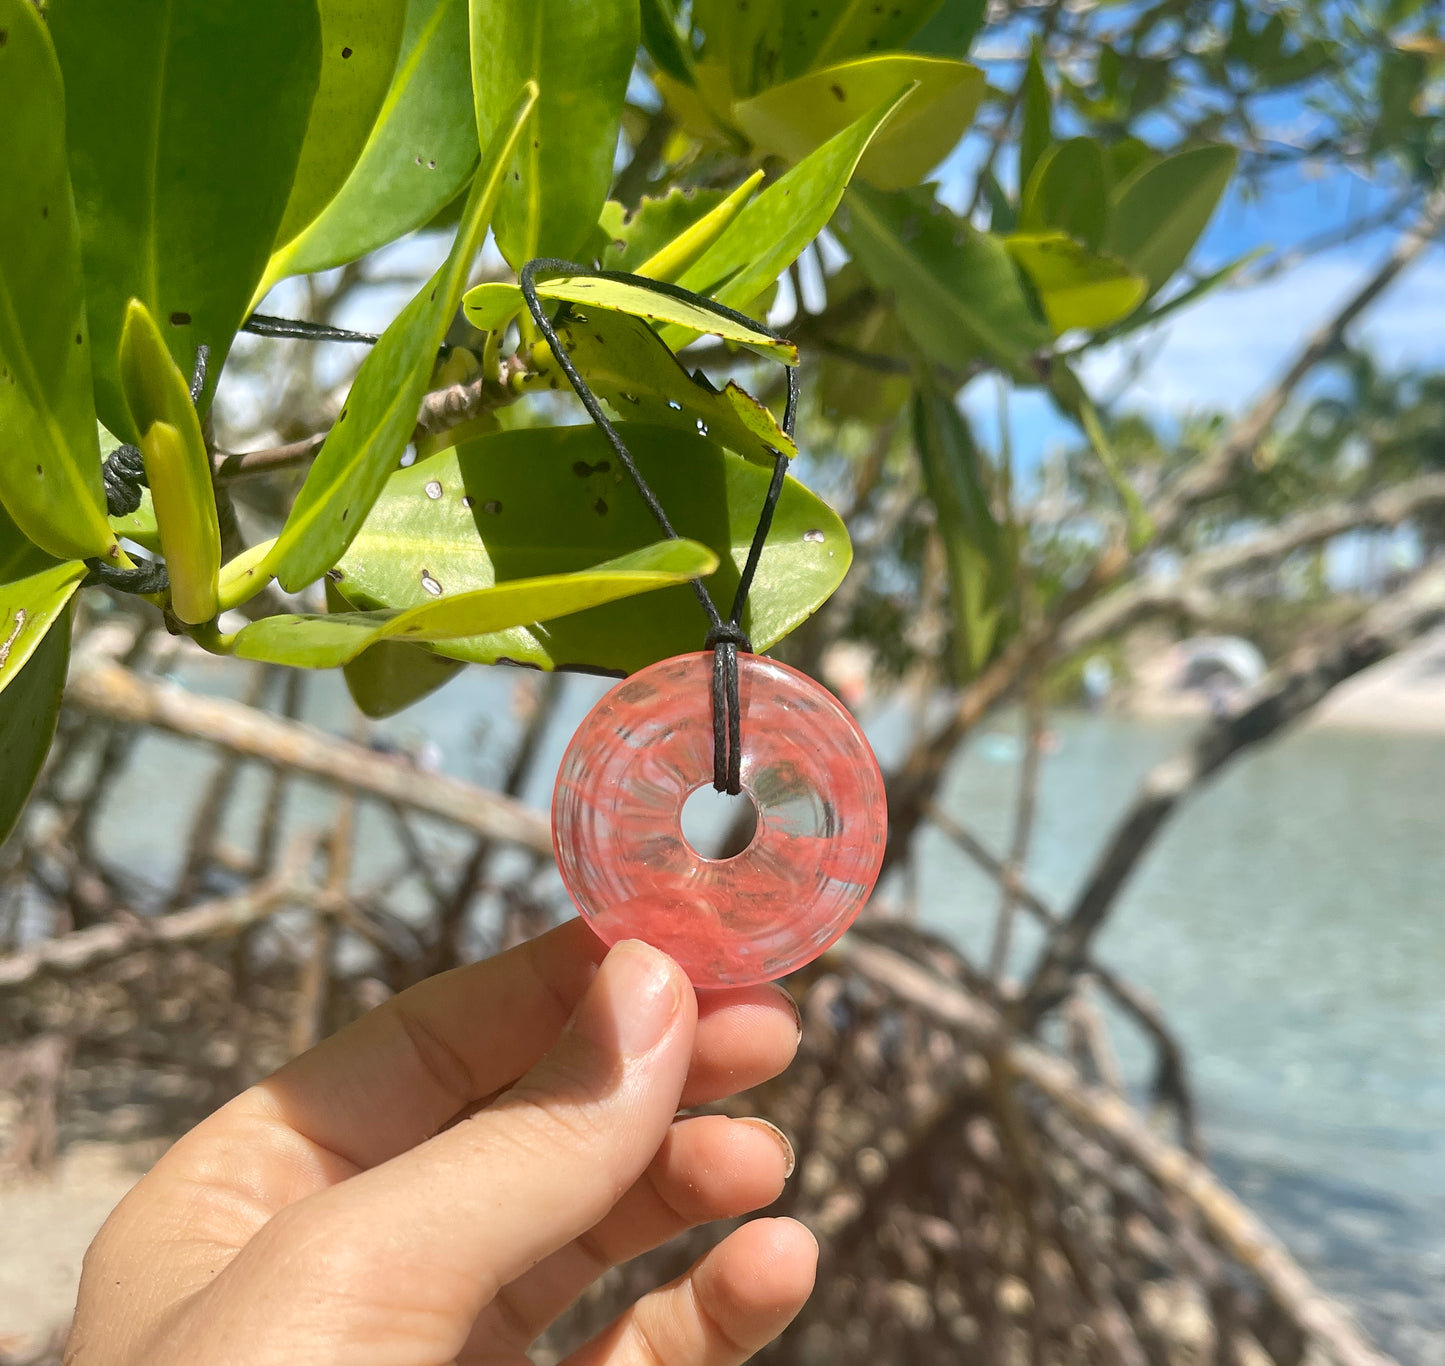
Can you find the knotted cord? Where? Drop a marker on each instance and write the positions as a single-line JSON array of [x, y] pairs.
[[725, 637]]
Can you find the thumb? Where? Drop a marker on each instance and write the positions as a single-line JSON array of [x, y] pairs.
[[442, 1228]]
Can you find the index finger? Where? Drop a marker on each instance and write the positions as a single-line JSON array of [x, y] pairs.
[[396, 1076]]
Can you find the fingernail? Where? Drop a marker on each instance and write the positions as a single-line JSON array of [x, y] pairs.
[[793, 1006], [646, 990], [790, 1159]]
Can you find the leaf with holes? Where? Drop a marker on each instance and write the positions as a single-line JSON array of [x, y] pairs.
[[553, 500], [622, 359], [793, 118], [49, 460], [380, 412], [957, 291], [637, 300], [580, 54], [34, 590], [178, 469], [327, 642], [1161, 210], [417, 159], [360, 42], [1077, 287], [29, 710], [181, 181], [771, 231], [661, 238]]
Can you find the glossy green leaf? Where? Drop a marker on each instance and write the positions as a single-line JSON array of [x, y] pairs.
[[552, 500], [580, 54], [771, 231], [327, 642], [388, 677], [1069, 190], [825, 32], [1077, 287], [1160, 211], [794, 118], [981, 572], [178, 469], [380, 412], [49, 462], [181, 180], [34, 589], [623, 360], [360, 42], [957, 290], [641, 302], [1036, 132], [661, 238], [417, 159], [29, 711]]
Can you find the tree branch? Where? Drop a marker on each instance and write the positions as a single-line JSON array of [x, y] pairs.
[[105, 689]]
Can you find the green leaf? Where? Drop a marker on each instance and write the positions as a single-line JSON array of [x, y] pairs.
[[622, 297], [34, 589], [178, 469], [380, 412], [794, 118], [1074, 399], [389, 676], [981, 571], [327, 642], [1037, 131], [771, 231], [661, 238], [1127, 156], [624, 361], [848, 386], [1077, 287], [1160, 211], [951, 31], [181, 181], [825, 32], [418, 157], [662, 40], [49, 461], [360, 40], [580, 54], [1069, 190], [28, 714], [552, 500], [957, 290], [739, 48]]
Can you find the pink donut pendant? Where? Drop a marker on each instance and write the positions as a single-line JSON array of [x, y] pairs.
[[822, 820]]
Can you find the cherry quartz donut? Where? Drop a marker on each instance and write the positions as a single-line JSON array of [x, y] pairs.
[[822, 820]]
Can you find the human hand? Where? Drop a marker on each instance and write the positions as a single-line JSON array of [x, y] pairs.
[[440, 1180]]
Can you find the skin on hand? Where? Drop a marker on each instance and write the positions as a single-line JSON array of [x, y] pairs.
[[440, 1180]]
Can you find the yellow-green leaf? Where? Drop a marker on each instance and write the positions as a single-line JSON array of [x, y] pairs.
[[49, 460], [672, 256], [327, 642], [177, 468], [793, 118], [34, 589], [1077, 287], [623, 360], [28, 713], [380, 412]]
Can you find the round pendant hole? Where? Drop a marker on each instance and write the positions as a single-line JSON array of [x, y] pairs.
[[717, 825]]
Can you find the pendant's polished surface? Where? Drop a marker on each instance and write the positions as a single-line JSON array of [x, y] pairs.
[[821, 820]]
